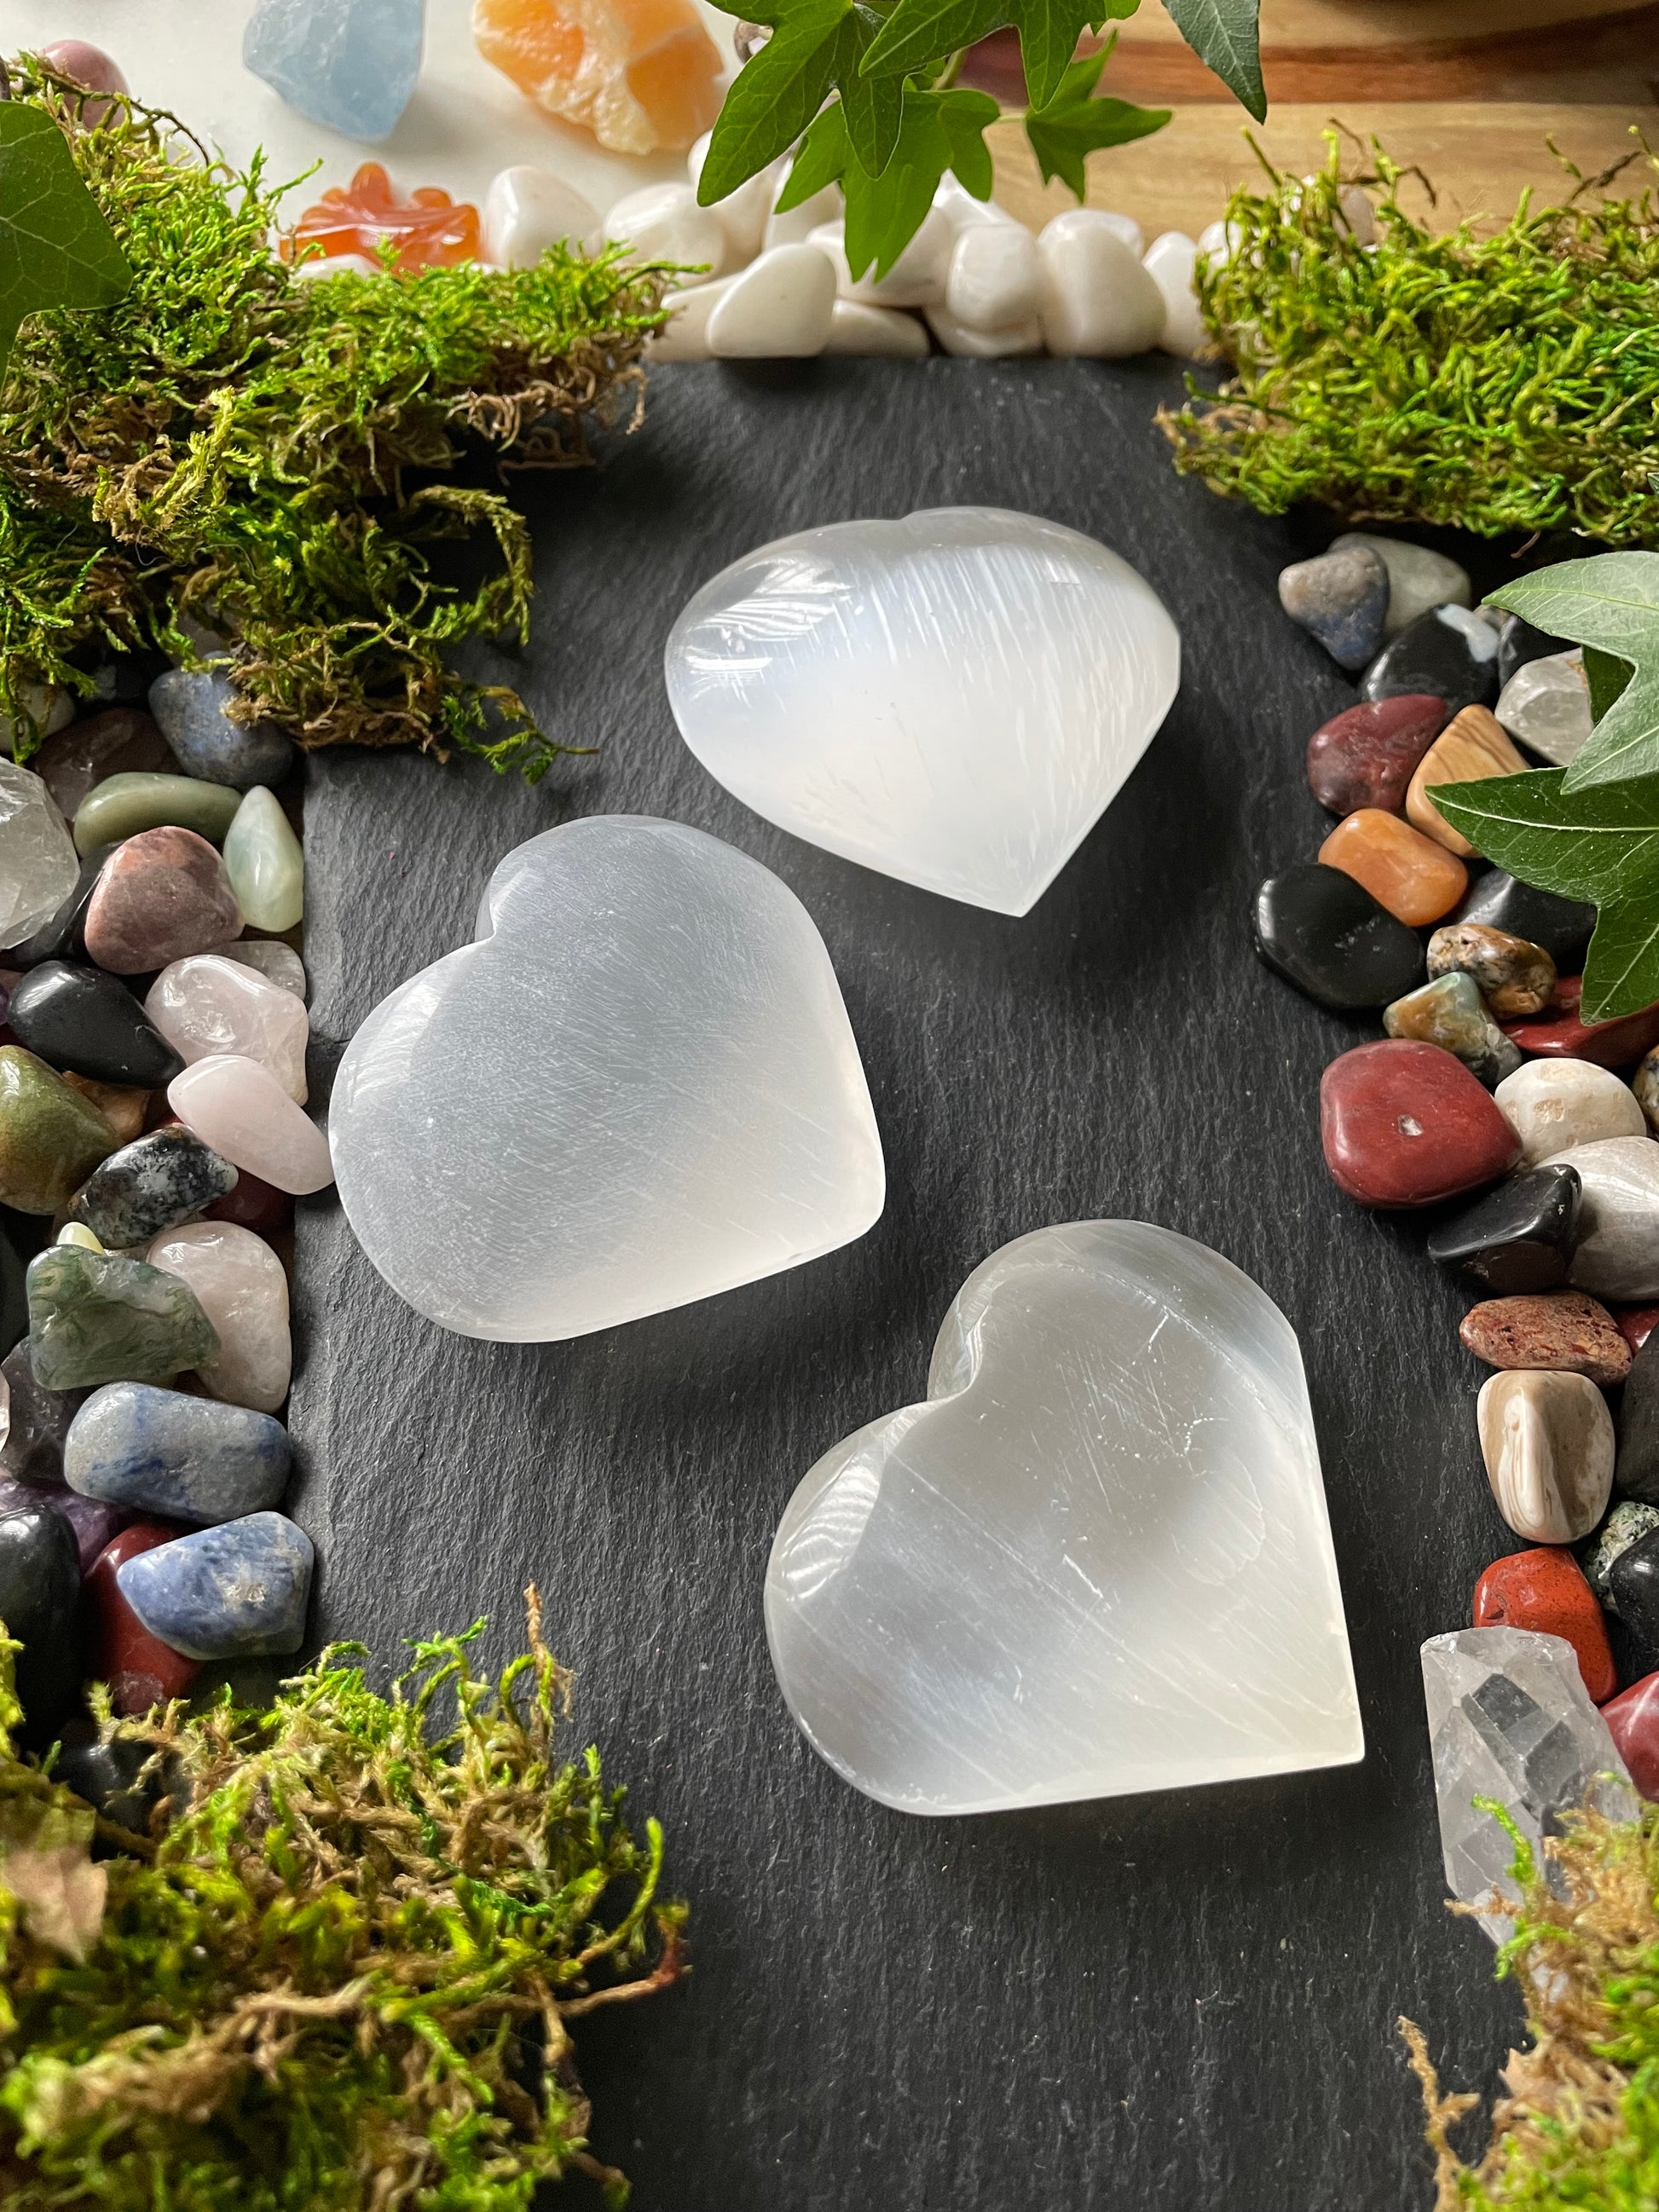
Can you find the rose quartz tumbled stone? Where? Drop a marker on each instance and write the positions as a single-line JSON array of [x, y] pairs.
[[240, 1110], [241, 1286], [209, 1005], [162, 895]]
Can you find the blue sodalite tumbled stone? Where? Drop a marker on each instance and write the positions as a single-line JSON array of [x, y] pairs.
[[190, 705], [233, 1592], [350, 63], [192, 1459]]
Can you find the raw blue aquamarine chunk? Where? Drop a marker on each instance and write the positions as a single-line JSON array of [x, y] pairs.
[[233, 1592], [350, 63], [192, 1459]]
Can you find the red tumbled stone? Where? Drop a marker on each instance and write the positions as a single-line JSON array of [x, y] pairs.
[[141, 1670], [1558, 1033], [253, 1204], [1367, 755], [1544, 1590], [1404, 1124], [162, 895], [1636, 1323], [1632, 1719]]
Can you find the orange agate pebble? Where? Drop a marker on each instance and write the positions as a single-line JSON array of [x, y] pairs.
[[640, 74], [430, 229]]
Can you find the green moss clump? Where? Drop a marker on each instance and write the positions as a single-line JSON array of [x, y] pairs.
[[275, 456], [1496, 384], [338, 1975], [1579, 2124]]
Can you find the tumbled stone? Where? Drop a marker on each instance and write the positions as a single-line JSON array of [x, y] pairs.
[[190, 705], [1562, 926], [918, 1579], [1405, 1124], [62, 936], [126, 1108], [38, 860], [1632, 1723], [1470, 749], [32, 1450], [1406, 871], [1510, 1719], [123, 806], [1633, 1591], [120, 742], [1563, 1329], [43, 707], [237, 1106], [140, 1670], [208, 1004], [1636, 1324], [100, 1318], [91, 1523], [1449, 652], [81, 1021], [1544, 1590], [1418, 580], [13, 1297], [77, 1232], [1560, 1033], [39, 1599], [265, 865], [1339, 598], [1618, 1252], [164, 1452], [1518, 642], [1637, 1472], [857, 684], [162, 895], [1546, 705], [1513, 978], [1519, 1238], [1366, 755], [232, 1592], [254, 1204], [1554, 1105], [1626, 1524], [1547, 1441], [122, 1781], [1644, 1088], [1451, 1013], [277, 962], [243, 1289], [150, 1185], [1322, 931], [50, 1137]]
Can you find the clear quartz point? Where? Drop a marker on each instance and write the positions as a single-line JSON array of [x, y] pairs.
[[1510, 1719]]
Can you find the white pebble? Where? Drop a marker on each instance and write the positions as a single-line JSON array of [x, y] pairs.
[[663, 223], [684, 336], [957, 338], [1126, 226], [994, 276], [1220, 240], [338, 264], [780, 308], [1553, 1105], [917, 279], [48, 705], [1359, 217], [1546, 705], [1098, 299], [742, 214], [961, 209], [1169, 262], [528, 209], [797, 223], [856, 328]]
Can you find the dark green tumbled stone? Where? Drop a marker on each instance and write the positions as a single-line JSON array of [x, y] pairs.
[[94, 1317]]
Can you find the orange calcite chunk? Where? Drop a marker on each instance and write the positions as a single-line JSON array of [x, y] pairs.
[[640, 74], [1415, 879], [430, 229]]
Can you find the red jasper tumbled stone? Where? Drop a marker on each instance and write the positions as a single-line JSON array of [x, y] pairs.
[[1558, 1033], [1632, 1719], [253, 1204], [1544, 1590], [141, 1670], [1367, 755], [1636, 1323], [1405, 1124]]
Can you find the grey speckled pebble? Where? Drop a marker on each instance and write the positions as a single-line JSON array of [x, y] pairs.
[[1340, 599], [192, 1459], [150, 1185], [232, 1592], [190, 706]]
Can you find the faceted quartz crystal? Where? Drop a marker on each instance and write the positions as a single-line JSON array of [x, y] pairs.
[[954, 699], [1096, 1560], [1510, 1718], [638, 1087], [39, 864]]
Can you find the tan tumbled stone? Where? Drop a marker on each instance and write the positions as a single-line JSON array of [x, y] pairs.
[[1473, 745], [1547, 1441]]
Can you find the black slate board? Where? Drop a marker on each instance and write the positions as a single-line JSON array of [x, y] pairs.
[[1184, 2001]]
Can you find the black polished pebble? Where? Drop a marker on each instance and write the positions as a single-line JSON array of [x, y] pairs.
[[1633, 1591], [83, 1022], [1636, 1469], [1432, 655], [40, 1604], [113, 1779], [148, 1185], [62, 937], [1519, 1237], [14, 1299], [1561, 925], [1518, 642], [1324, 932], [32, 1450]]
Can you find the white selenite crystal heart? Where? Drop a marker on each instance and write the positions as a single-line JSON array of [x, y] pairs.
[[1097, 1560], [637, 1087], [954, 699]]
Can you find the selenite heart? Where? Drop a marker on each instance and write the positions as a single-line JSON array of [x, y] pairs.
[[638, 1087], [1097, 1559], [954, 699]]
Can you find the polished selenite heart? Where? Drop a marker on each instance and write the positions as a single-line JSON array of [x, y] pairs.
[[954, 699], [637, 1087], [1096, 1560]]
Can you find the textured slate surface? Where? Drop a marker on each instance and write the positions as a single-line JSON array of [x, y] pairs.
[[1184, 2001]]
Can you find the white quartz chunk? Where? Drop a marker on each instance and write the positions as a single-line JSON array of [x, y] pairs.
[[637, 1087], [1546, 704], [1096, 1560], [954, 699]]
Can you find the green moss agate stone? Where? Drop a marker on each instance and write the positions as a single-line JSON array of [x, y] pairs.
[[51, 1137], [94, 1317], [122, 806]]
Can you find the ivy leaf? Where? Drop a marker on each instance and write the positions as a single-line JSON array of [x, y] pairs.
[[1075, 123], [1600, 844], [1610, 602], [875, 106], [919, 32], [775, 94], [1224, 35], [938, 131], [55, 248], [1607, 677]]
